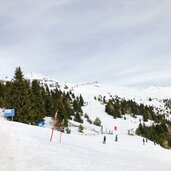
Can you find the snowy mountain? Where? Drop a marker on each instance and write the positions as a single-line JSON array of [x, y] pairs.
[[93, 108], [25, 147], [89, 90], [95, 88]]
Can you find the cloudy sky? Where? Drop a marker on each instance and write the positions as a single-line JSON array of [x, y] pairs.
[[121, 42]]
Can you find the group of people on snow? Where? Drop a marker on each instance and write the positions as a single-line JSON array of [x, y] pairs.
[[104, 139], [145, 140]]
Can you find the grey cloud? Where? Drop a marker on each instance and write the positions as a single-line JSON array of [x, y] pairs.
[[73, 40]]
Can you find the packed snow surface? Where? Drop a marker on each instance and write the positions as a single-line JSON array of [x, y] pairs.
[[27, 148]]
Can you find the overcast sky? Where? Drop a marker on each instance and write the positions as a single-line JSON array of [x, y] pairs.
[[122, 42]]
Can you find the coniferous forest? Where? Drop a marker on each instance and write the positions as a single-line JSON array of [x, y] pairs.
[[33, 102]]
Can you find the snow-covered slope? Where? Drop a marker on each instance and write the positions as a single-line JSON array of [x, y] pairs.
[[95, 109], [25, 147], [94, 89], [139, 95]]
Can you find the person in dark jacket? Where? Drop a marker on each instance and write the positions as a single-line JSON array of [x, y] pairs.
[[104, 140], [143, 141], [116, 137]]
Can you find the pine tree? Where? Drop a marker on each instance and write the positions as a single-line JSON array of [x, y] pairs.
[[145, 117], [7, 96], [2, 90], [1, 102], [109, 108], [81, 101], [76, 106], [48, 102], [37, 103], [97, 122], [67, 105], [2, 95], [19, 97], [77, 118]]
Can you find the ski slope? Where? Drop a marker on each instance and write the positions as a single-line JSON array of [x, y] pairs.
[[27, 148]]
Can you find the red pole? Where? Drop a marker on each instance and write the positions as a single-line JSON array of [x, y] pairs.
[[51, 134], [56, 116], [61, 129]]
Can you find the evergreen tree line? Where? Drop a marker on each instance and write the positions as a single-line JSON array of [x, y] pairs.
[[118, 107], [159, 133], [33, 102]]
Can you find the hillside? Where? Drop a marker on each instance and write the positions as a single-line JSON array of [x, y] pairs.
[[94, 108], [25, 147]]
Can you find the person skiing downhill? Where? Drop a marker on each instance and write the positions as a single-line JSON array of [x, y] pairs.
[[143, 141], [116, 137], [104, 140]]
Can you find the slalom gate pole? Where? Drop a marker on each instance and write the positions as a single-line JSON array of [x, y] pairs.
[[56, 116], [61, 129], [51, 134]]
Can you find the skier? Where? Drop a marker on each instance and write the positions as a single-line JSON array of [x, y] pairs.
[[143, 141], [116, 137], [104, 140]]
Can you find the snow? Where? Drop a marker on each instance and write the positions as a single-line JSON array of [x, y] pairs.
[[25, 147], [95, 88]]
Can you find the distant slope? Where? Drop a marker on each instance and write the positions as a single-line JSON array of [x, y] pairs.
[[95, 109]]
